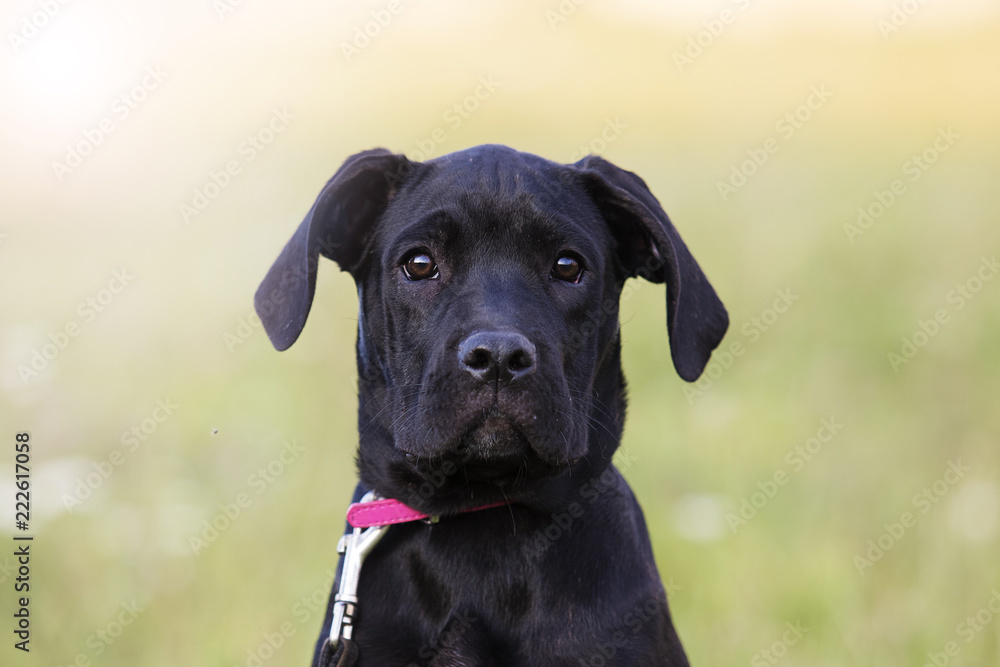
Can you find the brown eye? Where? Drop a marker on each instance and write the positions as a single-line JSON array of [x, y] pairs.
[[568, 269], [420, 266]]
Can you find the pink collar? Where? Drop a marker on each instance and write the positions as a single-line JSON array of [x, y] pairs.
[[387, 511]]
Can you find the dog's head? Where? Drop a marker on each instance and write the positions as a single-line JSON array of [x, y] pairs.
[[488, 346]]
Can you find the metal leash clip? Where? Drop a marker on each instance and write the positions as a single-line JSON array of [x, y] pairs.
[[354, 546]]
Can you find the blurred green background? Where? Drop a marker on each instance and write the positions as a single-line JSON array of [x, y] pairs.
[[117, 300]]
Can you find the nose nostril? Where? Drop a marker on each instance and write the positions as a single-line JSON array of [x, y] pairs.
[[519, 361], [478, 359]]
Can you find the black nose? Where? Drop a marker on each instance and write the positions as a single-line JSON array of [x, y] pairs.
[[497, 356]]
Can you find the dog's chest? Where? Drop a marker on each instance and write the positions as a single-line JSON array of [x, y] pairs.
[[477, 594]]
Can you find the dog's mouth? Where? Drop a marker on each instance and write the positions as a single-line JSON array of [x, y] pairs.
[[496, 452], [492, 461], [494, 438], [508, 473]]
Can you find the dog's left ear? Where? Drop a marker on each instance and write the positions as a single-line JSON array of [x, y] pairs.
[[339, 226], [650, 247]]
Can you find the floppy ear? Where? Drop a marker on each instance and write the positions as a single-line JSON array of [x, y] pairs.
[[650, 247], [339, 226]]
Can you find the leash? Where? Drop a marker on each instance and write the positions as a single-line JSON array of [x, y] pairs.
[[369, 519]]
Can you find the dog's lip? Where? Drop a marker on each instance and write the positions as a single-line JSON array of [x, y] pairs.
[[490, 470], [505, 471]]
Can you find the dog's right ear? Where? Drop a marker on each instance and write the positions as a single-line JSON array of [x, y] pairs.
[[339, 226]]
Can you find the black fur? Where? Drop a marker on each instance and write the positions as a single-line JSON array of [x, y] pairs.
[[564, 574]]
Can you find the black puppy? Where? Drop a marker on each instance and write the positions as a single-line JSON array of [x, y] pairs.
[[489, 371]]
